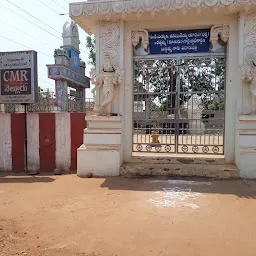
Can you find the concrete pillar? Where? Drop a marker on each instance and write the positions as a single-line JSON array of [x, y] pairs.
[[245, 143], [61, 92], [102, 152]]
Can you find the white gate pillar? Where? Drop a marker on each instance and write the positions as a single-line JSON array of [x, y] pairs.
[[102, 152], [246, 121]]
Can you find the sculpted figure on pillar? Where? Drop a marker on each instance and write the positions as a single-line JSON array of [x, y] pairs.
[[249, 76], [252, 85], [108, 80]]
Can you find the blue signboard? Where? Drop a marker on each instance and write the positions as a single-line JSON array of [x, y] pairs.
[[75, 61], [181, 41], [59, 72], [76, 78], [55, 71]]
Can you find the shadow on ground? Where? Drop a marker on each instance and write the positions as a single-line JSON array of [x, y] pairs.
[[239, 188], [25, 178]]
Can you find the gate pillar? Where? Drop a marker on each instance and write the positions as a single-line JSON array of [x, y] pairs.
[[246, 122], [101, 153]]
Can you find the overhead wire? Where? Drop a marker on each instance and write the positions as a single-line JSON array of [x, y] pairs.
[[59, 5], [32, 15], [41, 20], [48, 6], [82, 50], [9, 39], [24, 32], [29, 21], [23, 45], [11, 10]]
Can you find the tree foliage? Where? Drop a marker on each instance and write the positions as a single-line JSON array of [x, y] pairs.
[[44, 94], [91, 45], [168, 79]]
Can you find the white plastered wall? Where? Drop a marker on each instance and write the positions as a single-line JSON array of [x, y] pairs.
[[189, 21]]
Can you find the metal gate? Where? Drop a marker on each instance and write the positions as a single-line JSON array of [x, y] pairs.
[[179, 105]]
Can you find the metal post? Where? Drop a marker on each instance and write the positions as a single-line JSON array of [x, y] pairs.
[[26, 139], [177, 107]]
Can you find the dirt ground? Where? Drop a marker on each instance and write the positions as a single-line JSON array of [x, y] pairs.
[[66, 215]]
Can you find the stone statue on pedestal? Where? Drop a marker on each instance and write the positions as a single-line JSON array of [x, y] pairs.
[[108, 80]]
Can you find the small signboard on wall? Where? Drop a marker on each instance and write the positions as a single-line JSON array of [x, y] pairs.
[[18, 77], [180, 41]]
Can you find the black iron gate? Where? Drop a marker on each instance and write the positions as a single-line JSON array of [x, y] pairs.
[[179, 105]]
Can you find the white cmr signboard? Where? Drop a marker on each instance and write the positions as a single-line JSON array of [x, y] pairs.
[[18, 77]]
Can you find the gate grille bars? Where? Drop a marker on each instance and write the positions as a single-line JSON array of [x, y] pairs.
[[179, 105]]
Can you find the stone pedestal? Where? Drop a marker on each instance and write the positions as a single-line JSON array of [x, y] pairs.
[[246, 155], [101, 152]]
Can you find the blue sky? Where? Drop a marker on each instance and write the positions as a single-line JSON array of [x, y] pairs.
[[20, 31]]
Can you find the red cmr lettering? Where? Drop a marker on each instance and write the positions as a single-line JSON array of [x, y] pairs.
[[17, 76]]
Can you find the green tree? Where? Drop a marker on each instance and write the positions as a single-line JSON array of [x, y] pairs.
[[44, 94], [158, 78], [91, 45], [204, 77]]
